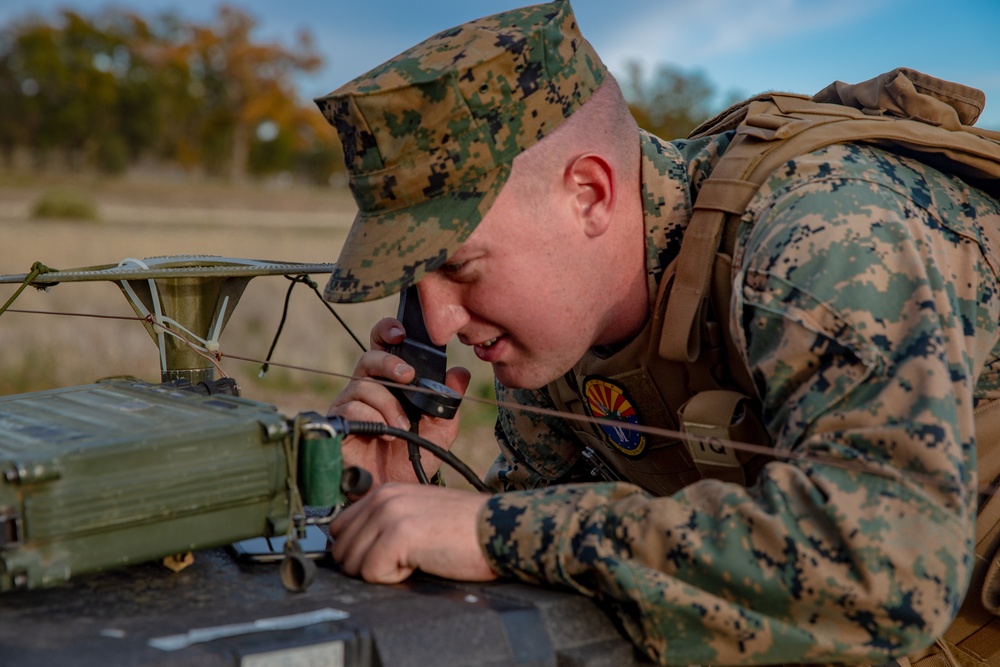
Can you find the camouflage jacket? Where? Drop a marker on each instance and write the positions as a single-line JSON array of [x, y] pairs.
[[865, 305]]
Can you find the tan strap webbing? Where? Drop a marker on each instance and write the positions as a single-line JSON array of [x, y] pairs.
[[983, 646], [717, 416], [778, 128], [944, 654], [710, 416]]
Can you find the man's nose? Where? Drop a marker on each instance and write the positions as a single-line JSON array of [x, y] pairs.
[[444, 314]]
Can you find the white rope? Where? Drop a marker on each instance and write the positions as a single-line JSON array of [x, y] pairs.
[[138, 305], [159, 319], [212, 344]]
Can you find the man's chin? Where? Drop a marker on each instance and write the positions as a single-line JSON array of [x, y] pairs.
[[522, 378]]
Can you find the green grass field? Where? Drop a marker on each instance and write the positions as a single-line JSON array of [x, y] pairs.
[[141, 216]]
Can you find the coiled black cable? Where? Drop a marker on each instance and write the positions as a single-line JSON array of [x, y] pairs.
[[376, 428]]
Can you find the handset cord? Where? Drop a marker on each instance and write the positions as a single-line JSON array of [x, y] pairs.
[[413, 439], [377, 428], [413, 449]]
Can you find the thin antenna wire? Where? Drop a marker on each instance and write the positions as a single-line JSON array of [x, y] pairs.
[[784, 454]]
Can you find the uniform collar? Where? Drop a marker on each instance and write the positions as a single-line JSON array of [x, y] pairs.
[[666, 205]]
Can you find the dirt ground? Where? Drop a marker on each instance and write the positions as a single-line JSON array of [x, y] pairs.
[[155, 215]]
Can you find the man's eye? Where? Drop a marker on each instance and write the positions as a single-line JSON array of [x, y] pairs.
[[452, 267]]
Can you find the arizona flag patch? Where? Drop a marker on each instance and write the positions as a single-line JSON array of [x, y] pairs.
[[607, 400]]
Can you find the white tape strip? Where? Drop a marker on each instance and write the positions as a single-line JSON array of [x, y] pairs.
[[198, 635]]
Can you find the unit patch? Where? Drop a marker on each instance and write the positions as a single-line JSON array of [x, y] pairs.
[[607, 400]]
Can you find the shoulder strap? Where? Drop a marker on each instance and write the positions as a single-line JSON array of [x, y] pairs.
[[778, 127]]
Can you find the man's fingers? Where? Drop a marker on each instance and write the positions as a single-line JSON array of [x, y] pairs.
[[379, 364], [402, 527], [382, 566], [351, 540], [369, 536], [387, 331], [373, 408], [368, 399]]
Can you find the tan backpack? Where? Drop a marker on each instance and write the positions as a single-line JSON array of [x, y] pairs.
[[905, 111]]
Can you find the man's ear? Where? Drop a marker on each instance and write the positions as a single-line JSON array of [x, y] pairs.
[[590, 180]]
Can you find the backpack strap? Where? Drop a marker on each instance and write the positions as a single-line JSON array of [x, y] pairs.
[[776, 128]]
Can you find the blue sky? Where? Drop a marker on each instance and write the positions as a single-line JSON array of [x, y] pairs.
[[743, 46]]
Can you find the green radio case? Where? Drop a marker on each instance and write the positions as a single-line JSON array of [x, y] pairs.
[[122, 471]]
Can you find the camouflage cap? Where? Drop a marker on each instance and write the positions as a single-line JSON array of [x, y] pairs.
[[430, 135]]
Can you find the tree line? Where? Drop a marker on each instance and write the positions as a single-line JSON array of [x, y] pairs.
[[115, 89]]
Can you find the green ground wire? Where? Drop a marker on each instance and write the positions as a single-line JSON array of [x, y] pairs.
[[36, 270]]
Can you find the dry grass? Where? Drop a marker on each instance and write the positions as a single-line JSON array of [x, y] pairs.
[[146, 217]]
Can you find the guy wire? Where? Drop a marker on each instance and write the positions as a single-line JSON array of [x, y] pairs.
[[784, 454]]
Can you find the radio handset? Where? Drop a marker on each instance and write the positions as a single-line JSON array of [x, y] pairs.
[[431, 396]]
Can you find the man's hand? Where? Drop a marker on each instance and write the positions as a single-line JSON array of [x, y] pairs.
[[399, 528], [386, 457]]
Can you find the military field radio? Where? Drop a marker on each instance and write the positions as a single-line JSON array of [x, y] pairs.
[[124, 471]]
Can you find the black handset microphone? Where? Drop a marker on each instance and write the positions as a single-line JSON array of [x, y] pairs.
[[431, 395], [427, 359]]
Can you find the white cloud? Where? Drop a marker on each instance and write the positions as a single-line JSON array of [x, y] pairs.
[[688, 33]]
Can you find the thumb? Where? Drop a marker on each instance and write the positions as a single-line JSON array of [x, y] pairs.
[[458, 379]]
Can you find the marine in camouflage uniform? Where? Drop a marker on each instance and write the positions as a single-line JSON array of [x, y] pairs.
[[867, 311], [865, 307]]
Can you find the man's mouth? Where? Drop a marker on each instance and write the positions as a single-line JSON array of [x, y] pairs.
[[489, 350]]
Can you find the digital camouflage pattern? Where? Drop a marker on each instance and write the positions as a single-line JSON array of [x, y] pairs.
[[430, 135], [866, 306]]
